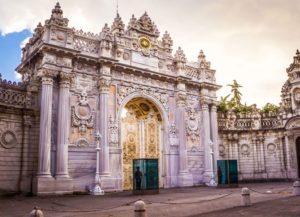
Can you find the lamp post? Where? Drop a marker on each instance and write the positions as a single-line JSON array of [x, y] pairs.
[[212, 181], [97, 188]]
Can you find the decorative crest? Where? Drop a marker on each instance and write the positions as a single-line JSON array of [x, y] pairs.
[[144, 25], [295, 66], [180, 56], [106, 34], [118, 25], [167, 42], [204, 64], [57, 17]]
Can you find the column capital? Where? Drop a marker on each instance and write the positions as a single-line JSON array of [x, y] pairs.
[[46, 75], [213, 107], [205, 103], [65, 79], [181, 98], [104, 84], [204, 106]]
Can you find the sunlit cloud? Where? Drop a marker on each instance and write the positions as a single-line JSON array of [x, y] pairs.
[[17, 76]]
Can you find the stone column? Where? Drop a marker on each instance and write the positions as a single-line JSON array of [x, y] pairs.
[[288, 154], [185, 178], [63, 126], [45, 127], [207, 141], [26, 167], [214, 133], [104, 87]]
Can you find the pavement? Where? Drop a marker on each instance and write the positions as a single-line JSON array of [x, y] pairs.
[[268, 199]]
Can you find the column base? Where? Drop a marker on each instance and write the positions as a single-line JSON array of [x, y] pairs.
[[185, 179], [97, 190], [49, 185], [209, 179]]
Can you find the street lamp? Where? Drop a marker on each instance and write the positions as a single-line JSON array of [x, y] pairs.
[[97, 188], [212, 181]]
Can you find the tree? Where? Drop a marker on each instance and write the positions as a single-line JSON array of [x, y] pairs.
[[235, 101]]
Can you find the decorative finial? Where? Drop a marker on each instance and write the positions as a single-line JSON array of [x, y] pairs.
[[180, 56], [117, 7], [297, 52], [57, 10], [201, 56]]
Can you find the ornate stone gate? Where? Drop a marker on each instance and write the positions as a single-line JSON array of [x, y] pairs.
[[86, 79]]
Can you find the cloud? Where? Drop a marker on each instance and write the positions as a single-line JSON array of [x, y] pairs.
[[24, 42], [18, 76], [252, 41]]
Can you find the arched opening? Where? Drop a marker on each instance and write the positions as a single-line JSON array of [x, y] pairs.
[[298, 154], [141, 135]]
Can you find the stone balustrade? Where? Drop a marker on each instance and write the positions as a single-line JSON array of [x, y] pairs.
[[12, 93], [245, 121]]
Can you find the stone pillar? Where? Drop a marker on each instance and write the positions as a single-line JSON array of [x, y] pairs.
[[63, 127], [45, 127], [104, 87], [288, 154], [207, 142], [214, 133], [25, 173], [184, 177]]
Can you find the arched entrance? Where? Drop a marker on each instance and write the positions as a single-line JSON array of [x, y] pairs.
[[298, 155], [141, 135]]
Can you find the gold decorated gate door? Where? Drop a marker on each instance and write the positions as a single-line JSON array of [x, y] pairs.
[[140, 139]]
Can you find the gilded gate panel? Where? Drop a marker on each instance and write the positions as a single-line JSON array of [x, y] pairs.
[[151, 136], [130, 130]]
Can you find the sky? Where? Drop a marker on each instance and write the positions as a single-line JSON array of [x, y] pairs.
[[252, 41]]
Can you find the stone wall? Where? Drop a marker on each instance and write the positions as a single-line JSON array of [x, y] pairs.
[[18, 137]]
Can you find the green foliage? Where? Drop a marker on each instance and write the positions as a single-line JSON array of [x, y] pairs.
[[223, 104], [235, 104], [270, 108]]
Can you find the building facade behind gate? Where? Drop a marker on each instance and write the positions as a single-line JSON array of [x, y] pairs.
[[145, 102]]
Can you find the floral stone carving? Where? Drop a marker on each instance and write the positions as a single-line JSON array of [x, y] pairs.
[[82, 115], [113, 132], [8, 139], [193, 125], [173, 139]]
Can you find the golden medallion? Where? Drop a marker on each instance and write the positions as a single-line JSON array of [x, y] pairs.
[[144, 42]]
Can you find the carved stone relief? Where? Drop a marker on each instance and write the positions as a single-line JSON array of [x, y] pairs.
[[82, 114], [297, 95], [8, 135], [222, 150], [125, 91], [255, 119], [192, 124], [8, 139], [230, 121], [272, 148], [82, 142], [195, 165], [173, 138], [146, 81], [245, 150], [113, 132]]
